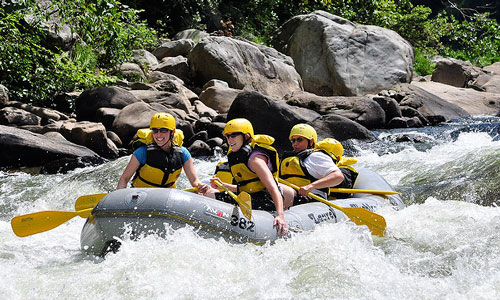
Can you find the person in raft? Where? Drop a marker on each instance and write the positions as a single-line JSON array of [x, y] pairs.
[[254, 167], [312, 169], [159, 164]]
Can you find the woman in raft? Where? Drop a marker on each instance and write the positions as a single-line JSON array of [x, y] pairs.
[[159, 163], [254, 167]]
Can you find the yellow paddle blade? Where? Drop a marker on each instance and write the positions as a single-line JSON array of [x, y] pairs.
[[245, 201], [43, 221], [374, 192], [360, 216], [88, 201]]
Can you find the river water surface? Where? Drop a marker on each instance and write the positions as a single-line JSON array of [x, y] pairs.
[[444, 245]]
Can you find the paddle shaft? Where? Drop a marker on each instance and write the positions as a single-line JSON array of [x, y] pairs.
[[376, 223], [374, 192]]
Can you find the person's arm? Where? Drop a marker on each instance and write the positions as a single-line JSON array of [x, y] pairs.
[[190, 171], [129, 171], [258, 164], [334, 178]]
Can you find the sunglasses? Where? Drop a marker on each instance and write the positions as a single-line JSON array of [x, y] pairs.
[[297, 140], [162, 130], [233, 135]]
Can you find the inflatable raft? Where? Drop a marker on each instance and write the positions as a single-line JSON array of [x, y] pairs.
[[136, 212]]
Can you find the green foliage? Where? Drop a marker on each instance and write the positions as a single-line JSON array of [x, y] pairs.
[[423, 64], [35, 71], [476, 40]]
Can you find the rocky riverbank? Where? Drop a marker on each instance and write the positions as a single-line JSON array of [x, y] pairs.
[[342, 78]]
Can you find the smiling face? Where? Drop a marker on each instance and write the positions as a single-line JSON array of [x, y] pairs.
[[235, 140], [161, 136], [299, 143]]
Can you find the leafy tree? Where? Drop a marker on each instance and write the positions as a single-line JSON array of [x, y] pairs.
[[35, 72]]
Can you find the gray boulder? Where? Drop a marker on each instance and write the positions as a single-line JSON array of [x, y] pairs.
[[244, 65], [22, 148], [361, 109], [87, 104], [337, 57]]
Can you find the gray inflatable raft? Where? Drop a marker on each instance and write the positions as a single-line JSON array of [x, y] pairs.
[[135, 212]]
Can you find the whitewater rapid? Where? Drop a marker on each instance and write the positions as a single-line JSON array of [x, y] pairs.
[[444, 245]]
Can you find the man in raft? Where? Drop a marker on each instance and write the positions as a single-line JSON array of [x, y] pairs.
[[311, 168], [159, 163]]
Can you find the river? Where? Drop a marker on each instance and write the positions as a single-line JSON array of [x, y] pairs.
[[444, 245]]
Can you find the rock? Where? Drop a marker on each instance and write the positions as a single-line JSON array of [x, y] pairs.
[[91, 135], [54, 135], [44, 113], [144, 58], [361, 109], [165, 98], [203, 110], [244, 65], [192, 34], [87, 104], [132, 72], [177, 66], [4, 95], [200, 148], [134, 117], [337, 57], [219, 97], [16, 116], [107, 116], [20, 147], [174, 48], [114, 138], [455, 72], [452, 102], [341, 128]]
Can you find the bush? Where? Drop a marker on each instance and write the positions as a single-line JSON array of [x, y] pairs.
[[35, 72]]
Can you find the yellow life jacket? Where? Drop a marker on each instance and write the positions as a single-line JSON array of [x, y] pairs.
[[246, 179], [223, 172], [350, 177], [162, 169], [292, 168]]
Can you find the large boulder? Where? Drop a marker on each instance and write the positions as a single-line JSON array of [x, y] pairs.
[[91, 135], [244, 65], [363, 110], [449, 101], [455, 72], [22, 148], [16, 116], [136, 116], [87, 104], [337, 57], [341, 128]]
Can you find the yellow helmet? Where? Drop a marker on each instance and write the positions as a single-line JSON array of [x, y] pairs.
[[304, 130], [162, 120], [332, 146], [239, 125]]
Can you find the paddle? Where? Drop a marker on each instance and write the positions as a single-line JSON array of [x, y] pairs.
[[360, 216], [244, 200], [29, 224], [374, 192], [89, 201]]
